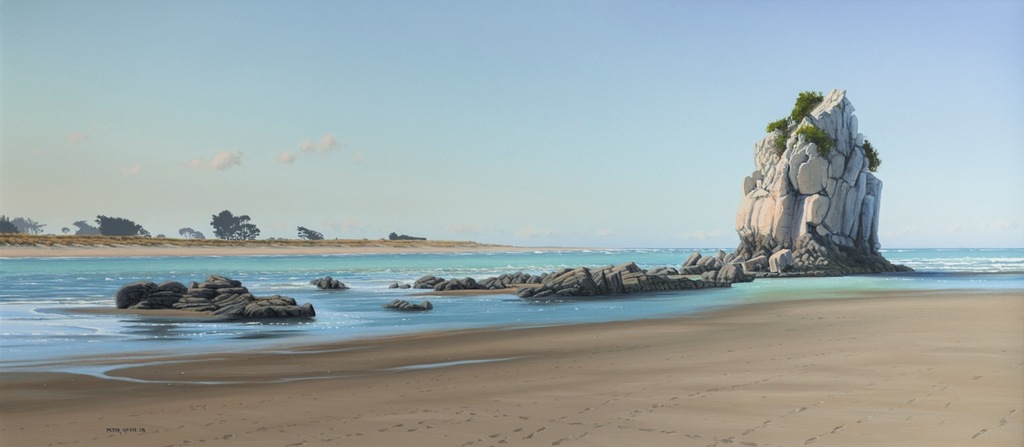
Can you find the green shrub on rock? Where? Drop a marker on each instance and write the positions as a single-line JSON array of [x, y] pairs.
[[805, 102], [782, 124], [779, 143], [872, 155], [818, 137]]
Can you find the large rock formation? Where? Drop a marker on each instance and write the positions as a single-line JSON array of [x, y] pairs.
[[822, 207]]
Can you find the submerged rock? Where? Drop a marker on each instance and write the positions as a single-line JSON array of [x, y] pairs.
[[217, 295]]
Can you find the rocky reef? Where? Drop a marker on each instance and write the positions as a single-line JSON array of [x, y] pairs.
[[810, 209], [218, 295], [614, 280], [625, 278]]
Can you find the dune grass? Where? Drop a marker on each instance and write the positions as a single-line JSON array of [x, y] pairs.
[[50, 240]]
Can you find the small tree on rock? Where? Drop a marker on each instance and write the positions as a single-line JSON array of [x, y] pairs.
[[310, 235], [235, 228]]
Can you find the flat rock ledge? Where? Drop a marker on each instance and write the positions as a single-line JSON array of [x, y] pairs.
[[406, 305], [615, 280], [583, 281], [218, 295]]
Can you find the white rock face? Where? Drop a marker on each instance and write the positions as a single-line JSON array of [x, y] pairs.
[[833, 196]]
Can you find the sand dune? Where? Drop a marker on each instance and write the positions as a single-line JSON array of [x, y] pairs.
[[49, 246]]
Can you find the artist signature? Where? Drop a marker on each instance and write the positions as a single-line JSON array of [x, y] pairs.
[[126, 430]]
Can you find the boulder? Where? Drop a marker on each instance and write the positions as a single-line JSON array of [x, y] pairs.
[[756, 264], [328, 283], [131, 294], [692, 260], [427, 282], [780, 261]]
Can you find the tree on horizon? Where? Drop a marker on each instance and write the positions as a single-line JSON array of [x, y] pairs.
[[119, 226], [27, 225], [233, 228], [310, 235], [6, 226], [84, 229]]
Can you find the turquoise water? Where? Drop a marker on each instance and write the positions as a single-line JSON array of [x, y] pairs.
[[39, 328]]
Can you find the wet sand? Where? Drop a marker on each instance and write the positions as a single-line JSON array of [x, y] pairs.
[[923, 368]]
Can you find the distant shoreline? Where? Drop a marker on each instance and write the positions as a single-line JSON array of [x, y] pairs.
[[52, 246]]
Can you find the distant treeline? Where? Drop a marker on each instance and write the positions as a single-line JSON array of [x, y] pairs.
[[404, 237], [225, 225]]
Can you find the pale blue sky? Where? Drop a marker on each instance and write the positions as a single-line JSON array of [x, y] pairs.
[[617, 124]]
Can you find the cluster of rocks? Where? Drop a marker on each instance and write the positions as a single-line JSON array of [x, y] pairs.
[[612, 280], [810, 212], [328, 283], [405, 305], [493, 283], [396, 285], [218, 295]]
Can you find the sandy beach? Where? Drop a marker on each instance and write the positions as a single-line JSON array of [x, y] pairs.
[[927, 368]]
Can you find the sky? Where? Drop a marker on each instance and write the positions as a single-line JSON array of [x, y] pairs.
[[531, 123]]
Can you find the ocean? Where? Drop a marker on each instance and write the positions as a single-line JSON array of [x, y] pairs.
[[40, 330]]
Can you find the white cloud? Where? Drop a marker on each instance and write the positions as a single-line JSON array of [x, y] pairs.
[[530, 232], [702, 235], [344, 224], [1002, 225], [286, 158], [465, 228], [128, 171], [278, 226], [604, 232], [220, 161], [326, 144], [905, 230], [77, 137]]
